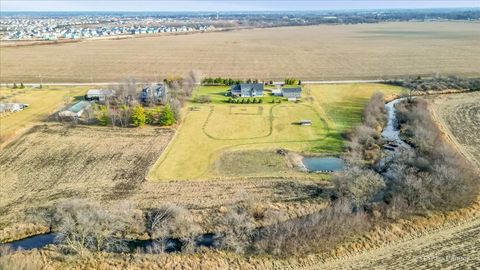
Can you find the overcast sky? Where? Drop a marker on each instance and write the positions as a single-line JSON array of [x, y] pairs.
[[212, 5]]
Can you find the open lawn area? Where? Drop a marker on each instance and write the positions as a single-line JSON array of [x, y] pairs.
[[41, 102], [211, 133]]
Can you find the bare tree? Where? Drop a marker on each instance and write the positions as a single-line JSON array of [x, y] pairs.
[[357, 185], [85, 226], [172, 221]]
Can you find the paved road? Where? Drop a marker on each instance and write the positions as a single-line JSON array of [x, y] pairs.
[[276, 83]]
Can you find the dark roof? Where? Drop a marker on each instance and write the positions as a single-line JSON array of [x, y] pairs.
[[246, 89], [292, 92]]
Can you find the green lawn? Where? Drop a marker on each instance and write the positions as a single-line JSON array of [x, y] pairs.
[[211, 130], [217, 94]]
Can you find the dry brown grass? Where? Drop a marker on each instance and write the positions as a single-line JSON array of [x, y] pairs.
[[313, 52], [54, 162]]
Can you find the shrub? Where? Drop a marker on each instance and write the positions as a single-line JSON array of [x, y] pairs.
[[153, 115], [375, 114], [318, 231], [358, 185], [291, 81], [83, 225], [139, 118], [172, 221], [166, 117], [102, 116], [203, 99]]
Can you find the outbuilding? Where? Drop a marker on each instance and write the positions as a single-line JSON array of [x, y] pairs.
[[305, 122], [292, 93], [99, 94], [76, 110]]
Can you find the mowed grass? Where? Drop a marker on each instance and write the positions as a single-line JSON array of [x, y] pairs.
[[212, 129], [325, 52], [42, 102]]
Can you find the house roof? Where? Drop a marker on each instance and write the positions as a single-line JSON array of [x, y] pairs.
[[79, 106], [247, 88], [100, 92], [292, 92]]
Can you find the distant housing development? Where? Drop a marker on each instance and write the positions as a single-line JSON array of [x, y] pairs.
[[80, 27], [247, 90]]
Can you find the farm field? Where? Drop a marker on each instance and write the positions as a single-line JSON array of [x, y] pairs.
[[448, 248], [220, 128], [460, 114], [326, 52], [54, 162], [41, 102]]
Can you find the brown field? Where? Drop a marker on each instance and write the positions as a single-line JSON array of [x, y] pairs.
[[460, 115], [53, 162], [365, 51]]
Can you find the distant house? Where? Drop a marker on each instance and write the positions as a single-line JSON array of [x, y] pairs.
[[99, 94], [292, 93], [154, 93], [247, 90], [76, 110]]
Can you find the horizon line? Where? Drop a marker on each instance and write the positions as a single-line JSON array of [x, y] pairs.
[[256, 11]]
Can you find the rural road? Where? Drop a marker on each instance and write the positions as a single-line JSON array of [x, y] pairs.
[[275, 83]]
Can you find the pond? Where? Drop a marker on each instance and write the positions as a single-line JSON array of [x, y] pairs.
[[323, 164]]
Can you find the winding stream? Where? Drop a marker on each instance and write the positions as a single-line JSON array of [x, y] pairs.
[[391, 133]]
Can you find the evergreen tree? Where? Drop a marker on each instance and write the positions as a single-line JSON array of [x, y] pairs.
[[15, 86], [167, 118], [21, 85]]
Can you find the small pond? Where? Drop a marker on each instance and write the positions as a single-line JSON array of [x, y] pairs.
[[323, 164]]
